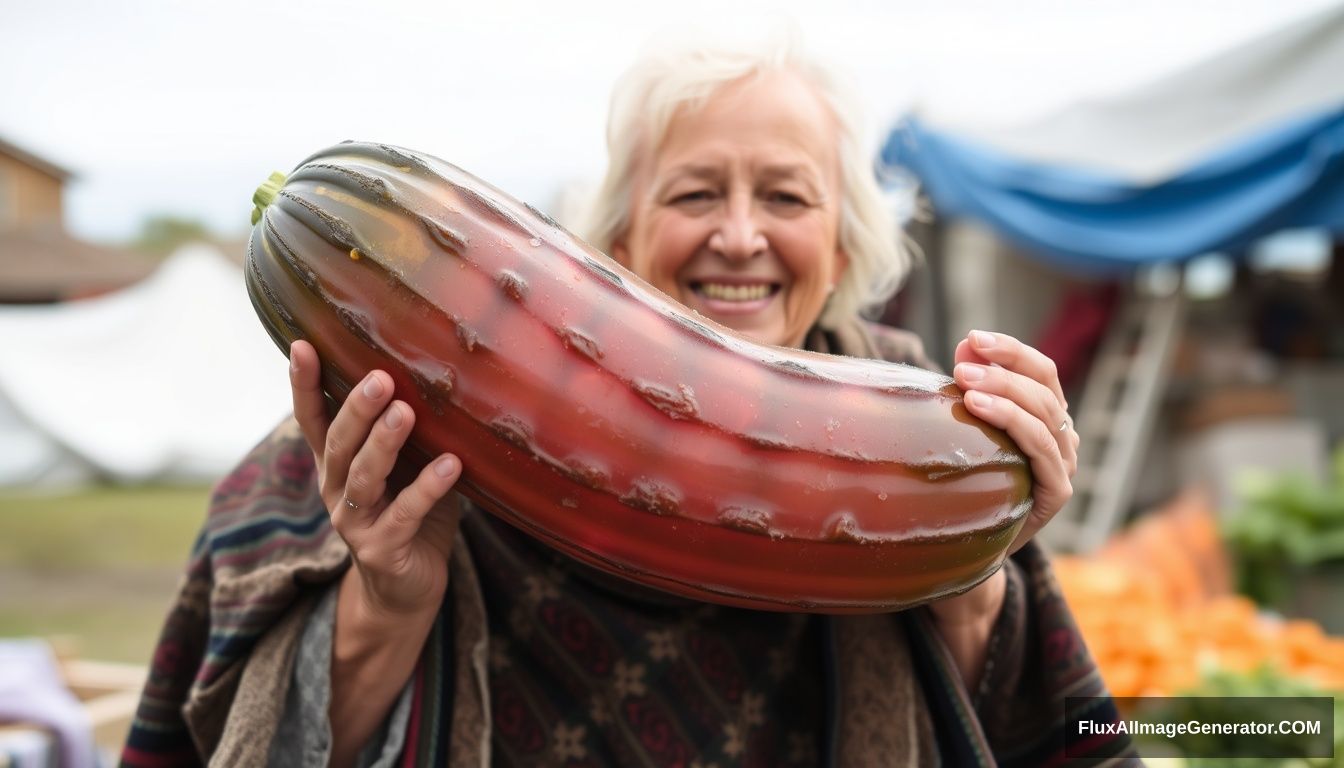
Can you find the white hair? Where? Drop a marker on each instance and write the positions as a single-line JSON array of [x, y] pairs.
[[648, 96]]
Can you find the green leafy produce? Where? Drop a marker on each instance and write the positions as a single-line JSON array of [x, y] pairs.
[[1286, 523], [1221, 696]]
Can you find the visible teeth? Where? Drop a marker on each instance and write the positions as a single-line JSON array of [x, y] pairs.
[[724, 292]]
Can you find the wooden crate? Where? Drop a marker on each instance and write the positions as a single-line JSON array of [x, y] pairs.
[[110, 692]]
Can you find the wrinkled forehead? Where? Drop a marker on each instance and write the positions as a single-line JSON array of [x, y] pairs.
[[764, 109], [782, 96]]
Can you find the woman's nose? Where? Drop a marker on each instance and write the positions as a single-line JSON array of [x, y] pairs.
[[739, 235]]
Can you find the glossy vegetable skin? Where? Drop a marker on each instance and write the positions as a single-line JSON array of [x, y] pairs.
[[602, 417]]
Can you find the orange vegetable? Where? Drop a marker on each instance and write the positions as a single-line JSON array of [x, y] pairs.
[[1154, 609]]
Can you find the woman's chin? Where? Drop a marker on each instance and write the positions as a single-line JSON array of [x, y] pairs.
[[761, 330], [752, 319], [769, 334]]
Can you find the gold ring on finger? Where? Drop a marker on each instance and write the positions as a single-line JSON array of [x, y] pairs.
[[352, 505]]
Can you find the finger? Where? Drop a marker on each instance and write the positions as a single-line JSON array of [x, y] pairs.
[[305, 384], [1051, 488], [367, 478], [1002, 349], [351, 428], [1030, 395], [966, 354], [401, 521]]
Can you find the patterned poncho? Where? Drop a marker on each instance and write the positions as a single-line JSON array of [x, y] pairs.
[[536, 659]]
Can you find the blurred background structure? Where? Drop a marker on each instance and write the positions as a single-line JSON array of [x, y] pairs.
[[1159, 208], [1178, 250], [43, 263], [1181, 246]]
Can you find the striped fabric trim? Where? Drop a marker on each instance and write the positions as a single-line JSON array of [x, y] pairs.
[[941, 681], [261, 516]]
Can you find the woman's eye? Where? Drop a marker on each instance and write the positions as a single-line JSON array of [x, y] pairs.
[[693, 196], [780, 197]]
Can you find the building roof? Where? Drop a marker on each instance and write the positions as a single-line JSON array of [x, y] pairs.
[[49, 265], [28, 158]]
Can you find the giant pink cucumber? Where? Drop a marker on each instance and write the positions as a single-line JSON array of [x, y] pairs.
[[604, 418]]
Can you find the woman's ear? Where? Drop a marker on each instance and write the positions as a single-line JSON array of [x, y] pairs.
[[841, 264]]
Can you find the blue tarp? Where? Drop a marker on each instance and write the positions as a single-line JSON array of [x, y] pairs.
[[1287, 176]]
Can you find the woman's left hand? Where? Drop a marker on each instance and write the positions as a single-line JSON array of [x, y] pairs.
[[1016, 388]]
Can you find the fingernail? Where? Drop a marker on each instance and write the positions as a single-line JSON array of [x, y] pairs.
[[983, 340], [293, 364], [979, 399], [393, 417], [972, 372], [372, 387], [445, 466]]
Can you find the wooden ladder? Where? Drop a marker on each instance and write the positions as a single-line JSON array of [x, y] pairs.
[[1120, 404]]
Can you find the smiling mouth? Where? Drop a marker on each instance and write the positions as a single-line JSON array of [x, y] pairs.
[[734, 292]]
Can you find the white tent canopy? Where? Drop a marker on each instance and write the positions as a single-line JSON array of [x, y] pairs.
[[1164, 127], [171, 379]]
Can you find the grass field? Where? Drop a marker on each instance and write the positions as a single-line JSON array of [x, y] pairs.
[[95, 569]]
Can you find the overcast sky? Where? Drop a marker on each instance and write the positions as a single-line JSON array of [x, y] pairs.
[[184, 107]]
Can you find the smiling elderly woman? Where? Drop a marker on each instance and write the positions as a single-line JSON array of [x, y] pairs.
[[426, 632]]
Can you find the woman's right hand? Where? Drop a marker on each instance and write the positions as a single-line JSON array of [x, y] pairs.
[[400, 540]]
